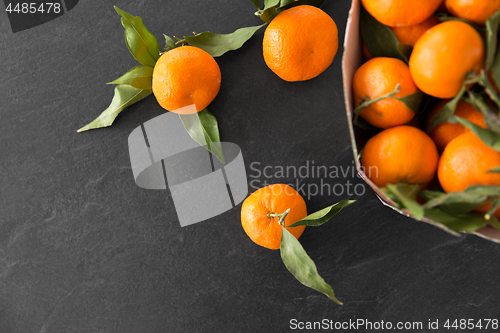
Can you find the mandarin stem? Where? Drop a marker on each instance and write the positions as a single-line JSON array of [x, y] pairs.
[[368, 102], [282, 219]]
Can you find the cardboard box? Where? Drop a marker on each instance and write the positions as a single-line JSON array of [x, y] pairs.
[[352, 59]]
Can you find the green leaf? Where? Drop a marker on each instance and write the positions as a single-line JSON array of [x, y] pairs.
[[169, 43], [218, 44], [379, 39], [429, 195], [495, 170], [322, 216], [125, 96], [205, 131], [495, 69], [457, 202], [301, 265], [412, 101], [447, 111], [269, 11], [490, 138], [141, 43], [287, 4], [491, 38], [462, 223], [490, 116], [407, 195], [140, 77], [489, 190], [256, 3]]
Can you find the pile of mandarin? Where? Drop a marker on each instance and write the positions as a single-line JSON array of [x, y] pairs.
[[446, 65]]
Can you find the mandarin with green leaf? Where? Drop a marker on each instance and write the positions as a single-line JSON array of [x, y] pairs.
[[262, 210], [377, 78], [185, 76], [466, 161]]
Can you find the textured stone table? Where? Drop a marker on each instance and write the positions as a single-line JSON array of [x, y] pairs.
[[83, 249]]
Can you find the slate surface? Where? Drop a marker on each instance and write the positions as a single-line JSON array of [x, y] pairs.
[[83, 249]]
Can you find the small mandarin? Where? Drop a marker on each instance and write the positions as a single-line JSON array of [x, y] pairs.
[[395, 13], [264, 229], [409, 34], [400, 154], [380, 76], [300, 43], [465, 162], [443, 56], [185, 76], [475, 11]]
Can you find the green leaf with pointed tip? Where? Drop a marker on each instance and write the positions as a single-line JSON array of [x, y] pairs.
[[412, 101], [429, 194], [463, 223], [447, 111], [256, 3], [379, 39], [302, 266], [125, 96], [140, 42], [457, 202], [205, 131], [169, 43], [407, 195], [140, 77], [218, 44], [322, 216], [269, 11], [287, 4], [490, 138], [489, 190], [491, 38], [495, 170]]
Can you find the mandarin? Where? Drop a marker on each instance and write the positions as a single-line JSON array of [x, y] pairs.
[[409, 34], [400, 154], [465, 162], [256, 219], [300, 43], [443, 56], [475, 11], [185, 76], [377, 77], [395, 13]]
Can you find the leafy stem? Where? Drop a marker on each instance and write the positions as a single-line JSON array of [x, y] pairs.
[[494, 207], [282, 216], [180, 42], [367, 102]]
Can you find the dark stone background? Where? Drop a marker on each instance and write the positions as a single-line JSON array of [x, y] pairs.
[[83, 249]]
